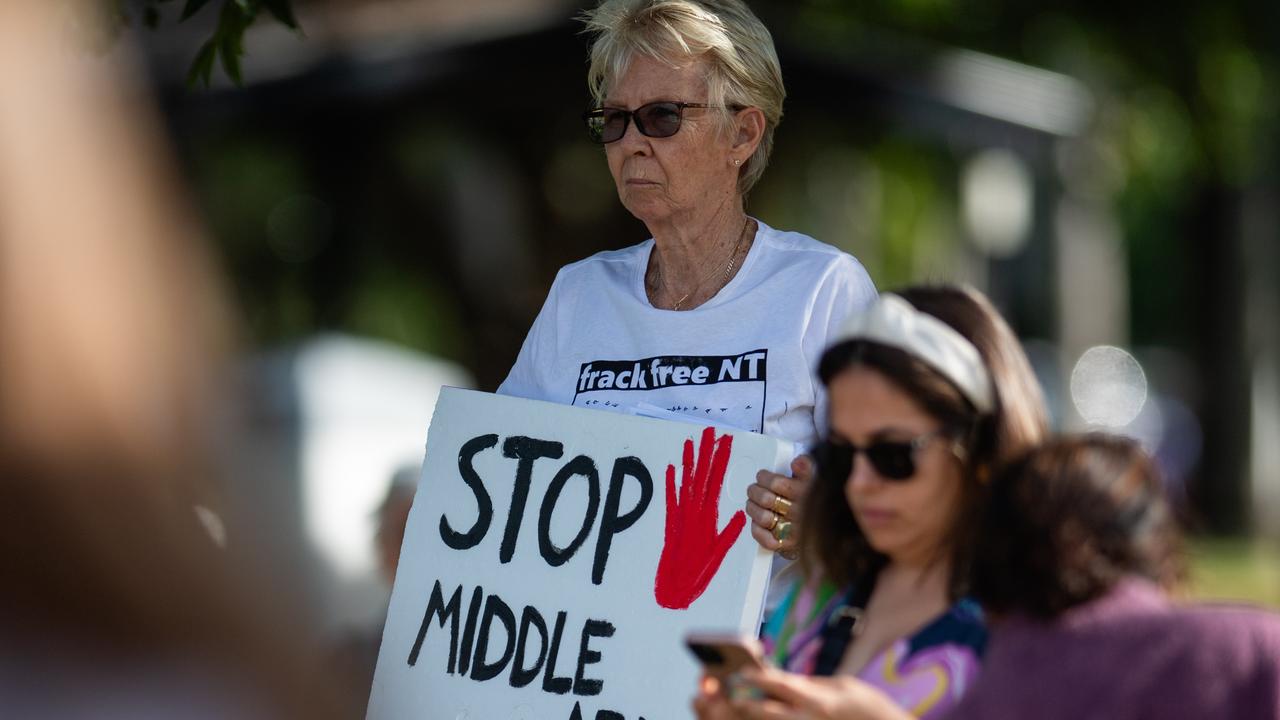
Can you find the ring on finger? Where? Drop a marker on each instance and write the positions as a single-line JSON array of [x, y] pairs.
[[781, 506], [781, 530], [773, 521]]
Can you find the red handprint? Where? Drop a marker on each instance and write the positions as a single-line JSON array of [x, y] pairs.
[[693, 549]]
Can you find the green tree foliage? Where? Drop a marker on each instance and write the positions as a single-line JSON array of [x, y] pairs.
[[226, 45]]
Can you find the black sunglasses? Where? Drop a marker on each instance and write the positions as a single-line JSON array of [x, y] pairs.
[[893, 460], [655, 120]]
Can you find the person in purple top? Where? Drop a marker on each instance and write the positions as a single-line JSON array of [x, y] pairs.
[[1076, 557]]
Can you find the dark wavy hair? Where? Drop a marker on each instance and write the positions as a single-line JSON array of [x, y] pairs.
[[1069, 519], [832, 543]]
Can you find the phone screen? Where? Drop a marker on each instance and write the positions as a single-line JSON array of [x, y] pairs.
[[724, 657]]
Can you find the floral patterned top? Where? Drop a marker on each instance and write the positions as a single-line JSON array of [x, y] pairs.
[[925, 673]]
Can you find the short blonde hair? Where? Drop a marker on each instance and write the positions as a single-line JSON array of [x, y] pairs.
[[739, 50]]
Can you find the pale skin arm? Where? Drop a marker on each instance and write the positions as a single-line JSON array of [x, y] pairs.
[[760, 502], [797, 697]]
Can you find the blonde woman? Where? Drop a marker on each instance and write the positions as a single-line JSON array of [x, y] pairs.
[[717, 316]]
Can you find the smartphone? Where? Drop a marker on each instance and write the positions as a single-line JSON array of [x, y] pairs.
[[724, 656]]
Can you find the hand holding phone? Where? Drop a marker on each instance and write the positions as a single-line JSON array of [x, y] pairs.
[[725, 656]]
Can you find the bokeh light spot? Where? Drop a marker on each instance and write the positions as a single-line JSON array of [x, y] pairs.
[[1108, 386]]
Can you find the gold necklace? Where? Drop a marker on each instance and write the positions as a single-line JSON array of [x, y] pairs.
[[727, 267]]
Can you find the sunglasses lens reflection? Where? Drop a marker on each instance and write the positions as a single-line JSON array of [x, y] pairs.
[[659, 120], [892, 460], [835, 462], [655, 120], [614, 124]]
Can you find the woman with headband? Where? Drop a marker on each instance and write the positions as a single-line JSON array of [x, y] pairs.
[[929, 389]]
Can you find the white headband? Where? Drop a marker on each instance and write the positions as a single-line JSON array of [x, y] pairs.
[[895, 322]]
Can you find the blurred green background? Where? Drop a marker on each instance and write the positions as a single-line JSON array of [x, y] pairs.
[[1234, 569], [414, 171]]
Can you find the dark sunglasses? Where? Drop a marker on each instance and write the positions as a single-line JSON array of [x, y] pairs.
[[893, 460], [655, 120]]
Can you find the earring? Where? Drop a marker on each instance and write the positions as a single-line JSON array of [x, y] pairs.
[[737, 161]]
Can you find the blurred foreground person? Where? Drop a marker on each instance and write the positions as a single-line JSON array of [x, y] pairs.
[[929, 390], [1077, 553], [117, 602]]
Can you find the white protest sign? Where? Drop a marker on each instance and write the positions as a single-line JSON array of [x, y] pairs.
[[556, 557]]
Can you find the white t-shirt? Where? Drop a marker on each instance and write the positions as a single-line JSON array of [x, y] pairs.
[[746, 358]]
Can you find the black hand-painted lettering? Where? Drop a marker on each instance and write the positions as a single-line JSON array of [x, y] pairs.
[[577, 712], [469, 630], [482, 669], [586, 656], [528, 450], [484, 504], [551, 683], [586, 467], [437, 607], [521, 675], [612, 523]]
